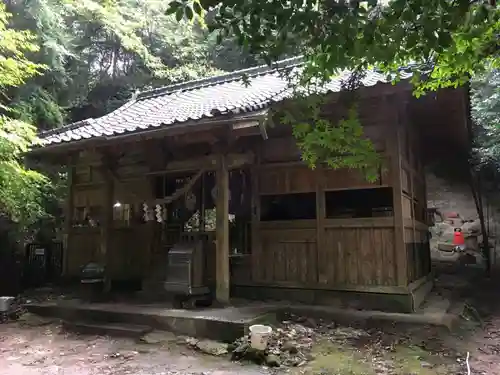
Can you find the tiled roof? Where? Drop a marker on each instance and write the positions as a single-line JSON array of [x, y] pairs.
[[225, 95]]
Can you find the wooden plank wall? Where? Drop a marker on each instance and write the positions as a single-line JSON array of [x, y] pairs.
[[349, 254], [361, 254], [354, 252], [130, 242], [288, 254]]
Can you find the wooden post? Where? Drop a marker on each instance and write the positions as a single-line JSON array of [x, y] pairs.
[[395, 165], [222, 231], [107, 221], [255, 241], [320, 225], [68, 222]]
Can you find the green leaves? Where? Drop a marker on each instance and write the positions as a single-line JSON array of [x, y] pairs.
[[173, 7], [186, 9], [486, 115], [15, 68], [20, 187], [179, 14], [197, 8], [336, 143], [335, 35]]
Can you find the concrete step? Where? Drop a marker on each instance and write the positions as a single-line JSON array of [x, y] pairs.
[[223, 324], [106, 329], [436, 304]]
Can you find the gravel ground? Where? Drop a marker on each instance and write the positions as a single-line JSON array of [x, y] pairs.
[[45, 350]]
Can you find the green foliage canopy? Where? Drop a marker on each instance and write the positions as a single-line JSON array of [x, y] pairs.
[[20, 187], [451, 40], [98, 53]]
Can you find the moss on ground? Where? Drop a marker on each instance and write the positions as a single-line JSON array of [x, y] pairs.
[[414, 360], [344, 359], [333, 359]]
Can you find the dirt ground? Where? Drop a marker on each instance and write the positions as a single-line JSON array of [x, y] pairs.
[[44, 350], [391, 349], [368, 349]]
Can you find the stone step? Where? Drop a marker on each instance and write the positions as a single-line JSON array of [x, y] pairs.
[[222, 324], [436, 304], [106, 329]]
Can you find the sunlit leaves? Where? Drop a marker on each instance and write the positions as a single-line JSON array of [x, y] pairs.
[[125, 45], [15, 68], [20, 188], [113, 18]]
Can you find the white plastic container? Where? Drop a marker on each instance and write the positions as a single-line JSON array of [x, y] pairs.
[[5, 303], [259, 336]]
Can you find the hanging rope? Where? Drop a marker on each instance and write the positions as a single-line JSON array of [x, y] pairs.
[[167, 200], [181, 191]]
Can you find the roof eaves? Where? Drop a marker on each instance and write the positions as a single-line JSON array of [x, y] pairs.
[[158, 131], [78, 124]]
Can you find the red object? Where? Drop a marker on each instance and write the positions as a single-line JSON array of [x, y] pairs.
[[458, 238]]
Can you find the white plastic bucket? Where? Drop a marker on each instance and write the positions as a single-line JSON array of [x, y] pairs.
[[5, 303], [259, 336]]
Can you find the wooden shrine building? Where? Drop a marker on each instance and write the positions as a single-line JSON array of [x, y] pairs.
[[195, 162]]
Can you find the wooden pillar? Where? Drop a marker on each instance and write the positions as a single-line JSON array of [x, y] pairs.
[[255, 242], [106, 226], [222, 231], [68, 222], [401, 259], [320, 225]]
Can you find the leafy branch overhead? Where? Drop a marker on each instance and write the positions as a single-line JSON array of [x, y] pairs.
[[451, 40], [339, 146]]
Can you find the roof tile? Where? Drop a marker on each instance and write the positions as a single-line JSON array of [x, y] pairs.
[[195, 101]]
